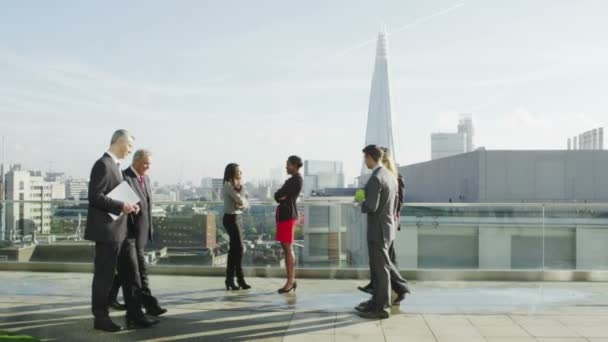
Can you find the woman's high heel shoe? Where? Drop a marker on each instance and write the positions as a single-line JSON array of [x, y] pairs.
[[230, 285], [243, 284], [284, 290]]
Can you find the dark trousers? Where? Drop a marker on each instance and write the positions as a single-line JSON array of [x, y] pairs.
[[384, 274], [397, 280], [232, 224], [147, 299], [110, 256]]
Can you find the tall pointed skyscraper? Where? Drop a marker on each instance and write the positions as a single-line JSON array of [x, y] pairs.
[[379, 116]]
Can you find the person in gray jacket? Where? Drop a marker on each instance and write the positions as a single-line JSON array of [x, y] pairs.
[[235, 200], [381, 198]]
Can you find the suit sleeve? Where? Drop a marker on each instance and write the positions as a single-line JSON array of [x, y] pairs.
[[97, 184], [372, 196]]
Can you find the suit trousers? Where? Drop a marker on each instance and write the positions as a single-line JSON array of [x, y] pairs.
[[110, 256], [147, 299], [383, 273], [398, 283]]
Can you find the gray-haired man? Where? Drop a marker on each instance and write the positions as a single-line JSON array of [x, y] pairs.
[[113, 249], [140, 228]]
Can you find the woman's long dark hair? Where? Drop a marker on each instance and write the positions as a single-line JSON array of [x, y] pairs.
[[230, 172]]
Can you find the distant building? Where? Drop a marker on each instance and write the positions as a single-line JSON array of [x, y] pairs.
[[451, 144], [510, 176], [337, 192], [379, 128], [319, 175], [54, 177], [57, 190], [198, 230], [589, 140], [169, 196], [77, 189], [465, 127], [211, 188], [325, 227], [25, 218], [447, 144]]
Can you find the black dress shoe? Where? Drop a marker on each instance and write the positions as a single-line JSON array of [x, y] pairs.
[[106, 324], [400, 298], [117, 306], [363, 307], [230, 285], [141, 322], [157, 311], [367, 288], [375, 314]]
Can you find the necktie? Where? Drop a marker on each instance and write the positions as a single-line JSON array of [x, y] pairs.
[[142, 183]]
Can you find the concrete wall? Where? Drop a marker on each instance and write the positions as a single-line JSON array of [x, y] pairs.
[[510, 176], [84, 252], [442, 179]]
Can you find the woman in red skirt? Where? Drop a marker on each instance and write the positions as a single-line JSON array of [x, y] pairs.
[[287, 217]]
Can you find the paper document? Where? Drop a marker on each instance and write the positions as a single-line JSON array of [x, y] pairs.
[[124, 193]]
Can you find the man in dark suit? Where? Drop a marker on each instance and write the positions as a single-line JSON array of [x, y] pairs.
[[113, 250], [381, 198], [140, 228]]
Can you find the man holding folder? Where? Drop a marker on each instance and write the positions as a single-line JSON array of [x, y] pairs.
[[107, 227]]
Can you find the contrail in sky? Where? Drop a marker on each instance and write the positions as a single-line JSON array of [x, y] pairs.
[[402, 28]]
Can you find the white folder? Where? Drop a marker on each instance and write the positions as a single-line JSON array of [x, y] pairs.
[[124, 193]]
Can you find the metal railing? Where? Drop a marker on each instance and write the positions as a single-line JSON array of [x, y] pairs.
[[331, 236]]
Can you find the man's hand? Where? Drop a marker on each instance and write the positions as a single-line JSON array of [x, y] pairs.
[[127, 208], [137, 209]]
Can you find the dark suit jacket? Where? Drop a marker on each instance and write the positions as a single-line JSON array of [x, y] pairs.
[[105, 176], [140, 225], [381, 198], [401, 200], [288, 209]]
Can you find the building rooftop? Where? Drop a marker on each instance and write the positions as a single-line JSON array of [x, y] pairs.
[[56, 307]]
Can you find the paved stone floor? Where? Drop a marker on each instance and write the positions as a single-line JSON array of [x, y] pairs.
[[56, 307]]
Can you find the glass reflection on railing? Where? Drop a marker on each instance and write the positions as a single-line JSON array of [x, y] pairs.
[[332, 234]]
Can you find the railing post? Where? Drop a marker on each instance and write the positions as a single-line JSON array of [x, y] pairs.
[[543, 236]]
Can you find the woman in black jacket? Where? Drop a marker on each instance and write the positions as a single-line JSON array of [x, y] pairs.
[[287, 218]]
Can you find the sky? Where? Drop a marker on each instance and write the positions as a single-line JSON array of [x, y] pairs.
[[205, 83]]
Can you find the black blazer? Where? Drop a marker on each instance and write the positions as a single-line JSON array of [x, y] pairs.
[[140, 225], [287, 209], [105, 176]]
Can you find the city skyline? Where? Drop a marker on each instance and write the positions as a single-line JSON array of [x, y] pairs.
[[263, 82]]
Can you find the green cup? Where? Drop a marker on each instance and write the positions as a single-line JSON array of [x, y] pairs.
[[360, 195]]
